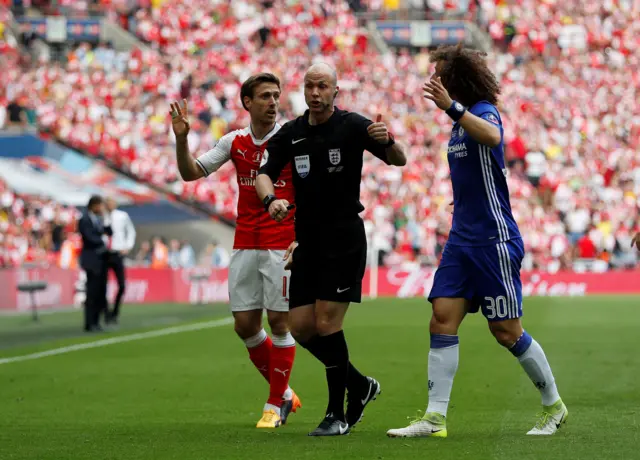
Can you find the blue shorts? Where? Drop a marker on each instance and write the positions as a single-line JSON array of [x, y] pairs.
[[488, 276]]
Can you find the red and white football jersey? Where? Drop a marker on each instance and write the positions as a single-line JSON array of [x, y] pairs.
[[255, 229]]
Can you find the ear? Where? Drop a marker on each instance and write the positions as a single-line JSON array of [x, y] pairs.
[[336, 92]]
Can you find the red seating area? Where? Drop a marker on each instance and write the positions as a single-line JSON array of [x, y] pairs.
[[32, 228], [569, 72]]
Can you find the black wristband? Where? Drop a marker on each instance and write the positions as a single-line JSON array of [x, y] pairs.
[[268, 200], [456, 111]]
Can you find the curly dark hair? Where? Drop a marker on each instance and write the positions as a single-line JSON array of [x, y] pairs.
[[465, 74]]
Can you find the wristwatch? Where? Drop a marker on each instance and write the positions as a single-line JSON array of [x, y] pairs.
[[268, 200]]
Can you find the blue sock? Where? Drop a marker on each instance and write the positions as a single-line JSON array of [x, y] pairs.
[[521, 345]]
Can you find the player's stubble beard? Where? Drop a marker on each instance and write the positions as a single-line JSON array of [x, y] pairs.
[[264, 120], [324, 111]]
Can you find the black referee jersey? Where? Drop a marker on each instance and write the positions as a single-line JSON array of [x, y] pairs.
[[326, 161]]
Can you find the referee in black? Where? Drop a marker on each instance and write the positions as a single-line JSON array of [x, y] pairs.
[[325, 150]]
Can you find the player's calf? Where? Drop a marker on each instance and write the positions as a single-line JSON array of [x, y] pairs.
[[533, 360], [283, 354]]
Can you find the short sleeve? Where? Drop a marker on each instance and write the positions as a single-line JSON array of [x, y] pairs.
[[360, 125], [213, 160], [487, 112], [276, 154]]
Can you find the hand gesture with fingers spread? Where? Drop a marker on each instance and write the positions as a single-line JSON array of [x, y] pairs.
[[435, 91], [378, 131], [180, 118]]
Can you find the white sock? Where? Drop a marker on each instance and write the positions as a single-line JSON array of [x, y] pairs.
[[256, 340], [535, 364], [443, 364], [268, 406], [283, 341]]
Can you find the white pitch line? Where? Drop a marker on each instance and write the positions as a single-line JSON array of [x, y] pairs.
[[119, 339]]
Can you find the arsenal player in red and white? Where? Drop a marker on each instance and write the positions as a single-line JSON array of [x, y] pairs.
[[257, 276]]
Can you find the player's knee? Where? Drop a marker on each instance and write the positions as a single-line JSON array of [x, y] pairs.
[[447, 316], [302, 332], [505, 338], [443, 324], [246, 329], [278, 323], [506, 332], [302, 329]]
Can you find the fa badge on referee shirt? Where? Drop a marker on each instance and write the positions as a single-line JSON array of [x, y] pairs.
[[334, 156], [303, 165]]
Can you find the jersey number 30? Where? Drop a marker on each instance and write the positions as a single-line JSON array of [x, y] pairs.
[[496, 307]]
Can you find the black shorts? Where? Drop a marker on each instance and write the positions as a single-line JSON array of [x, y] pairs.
[[329, 264]]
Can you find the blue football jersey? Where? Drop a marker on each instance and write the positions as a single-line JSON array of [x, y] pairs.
[[481, 206]]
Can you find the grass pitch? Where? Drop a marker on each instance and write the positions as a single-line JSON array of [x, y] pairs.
[[195, 395]]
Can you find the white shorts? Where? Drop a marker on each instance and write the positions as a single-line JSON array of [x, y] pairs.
[[257, 280]]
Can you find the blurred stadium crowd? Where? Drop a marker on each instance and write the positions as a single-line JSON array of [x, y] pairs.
[[569, 69]]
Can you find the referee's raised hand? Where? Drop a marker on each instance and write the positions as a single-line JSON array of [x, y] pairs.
[[278, 210], [378, 131], [180, 118]]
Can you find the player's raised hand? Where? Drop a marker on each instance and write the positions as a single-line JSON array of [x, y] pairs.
[[278, 210], [378, 131], [435, 91], [636, 241], [288, 255], [180, 118]]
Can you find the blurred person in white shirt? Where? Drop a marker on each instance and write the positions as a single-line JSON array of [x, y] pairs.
[[119, 246]]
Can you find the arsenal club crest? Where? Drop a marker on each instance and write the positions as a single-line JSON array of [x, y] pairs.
[[334, 156]]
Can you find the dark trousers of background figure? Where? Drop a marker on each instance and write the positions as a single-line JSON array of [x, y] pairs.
[[96, 297], [115, 262]]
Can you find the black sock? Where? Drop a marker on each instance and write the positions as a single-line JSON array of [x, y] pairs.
[[336, 361], [313, 346], [355, 380]]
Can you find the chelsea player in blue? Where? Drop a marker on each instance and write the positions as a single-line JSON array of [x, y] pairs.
[[480, 265]]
